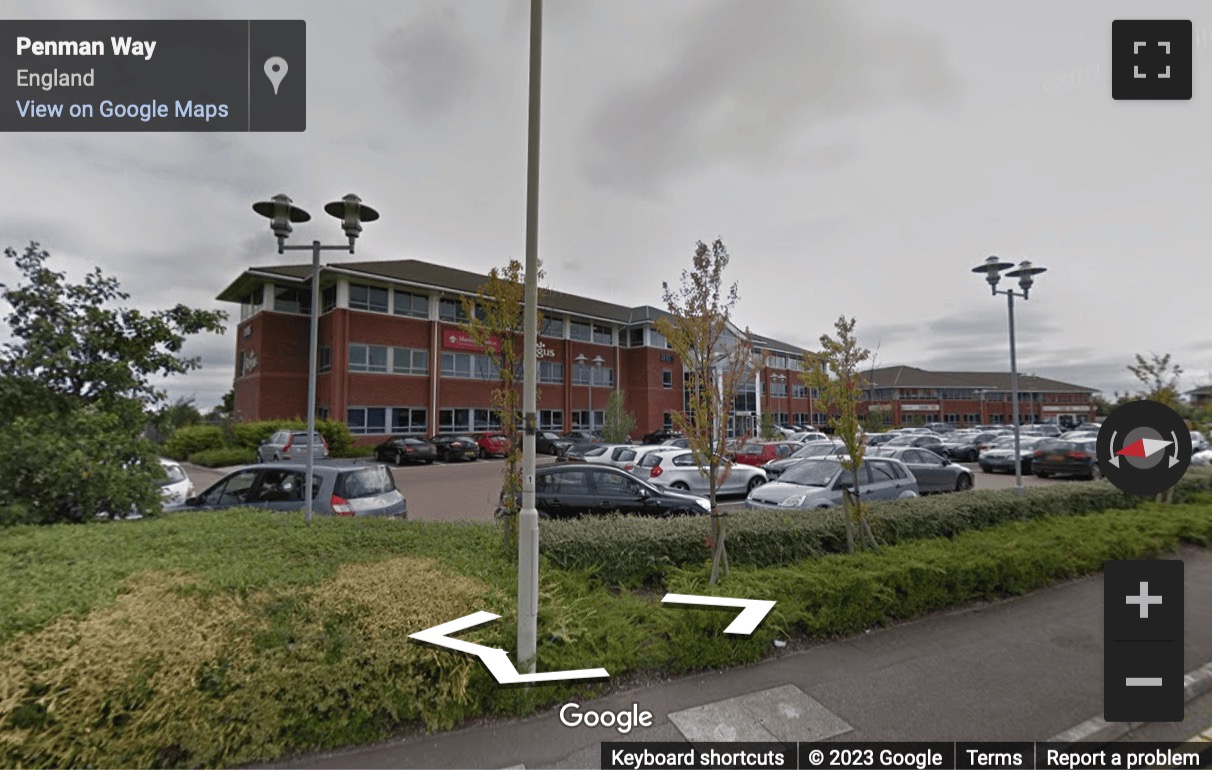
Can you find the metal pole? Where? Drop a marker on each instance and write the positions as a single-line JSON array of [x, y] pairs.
[[590, 401], [528, 517], [311, 374], [1018, 458]]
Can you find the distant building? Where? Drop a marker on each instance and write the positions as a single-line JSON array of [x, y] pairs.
[[1200, 396]]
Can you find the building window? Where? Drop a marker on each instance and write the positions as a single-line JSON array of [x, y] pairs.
[[800, 418], [287, 300], [953, 418], [551, 372], [324, 358], [667, 379], [408, 419], [552, 327], [368, 358], [551, 419], [816, 392], [778, 389], [579, 331], [252, 304], [602, 376], [409, 361], [580, 419], [799, 390], [451, 310], [632, 338], [409, 304], [367, 420], [363, 297], [454, 420], [321, 413], [776, 362], [603, 335], [469, 366], [667, 421], [820, 419], [328, 299], [972, 419], [657, 340], [487, 419]]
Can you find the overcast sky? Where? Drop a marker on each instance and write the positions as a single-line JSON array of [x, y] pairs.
[[857, 158]]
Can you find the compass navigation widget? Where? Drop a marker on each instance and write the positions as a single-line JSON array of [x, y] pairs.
[[1144, 448]]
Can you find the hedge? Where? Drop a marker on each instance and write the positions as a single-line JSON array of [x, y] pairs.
[[189, 439], [633, 550], [223, 457]]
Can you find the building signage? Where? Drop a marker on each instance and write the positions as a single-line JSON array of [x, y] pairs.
[[879, 408], [666, 358], [542, 351], [1075, 408], [919, 407], [457, 339]]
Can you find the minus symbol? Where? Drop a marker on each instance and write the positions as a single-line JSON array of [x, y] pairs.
[[1144, 681]]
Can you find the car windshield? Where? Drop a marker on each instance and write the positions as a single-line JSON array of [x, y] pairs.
[[365, 482], [752, 449], [905, 439], [301, 438], [811, 473], [175, 474]]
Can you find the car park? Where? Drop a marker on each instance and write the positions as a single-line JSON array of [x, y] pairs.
[[492, 444], [176, 486], [569, 491], [455, 446], [340, 488], [681, 471], [406, 449], [775, 468], [1064, 457], [820, 483], [292, 445], [932, 472], [759, 453], [1000, 456]]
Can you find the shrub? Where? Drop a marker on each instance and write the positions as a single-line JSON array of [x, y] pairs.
[[189, 439], [361, 450], [223, 457]]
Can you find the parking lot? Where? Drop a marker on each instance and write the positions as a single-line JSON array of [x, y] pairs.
[[468, 491]]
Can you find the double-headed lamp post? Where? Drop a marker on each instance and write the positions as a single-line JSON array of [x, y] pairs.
[[281, 212], [1025, 273], [779, 378], [597, 363]]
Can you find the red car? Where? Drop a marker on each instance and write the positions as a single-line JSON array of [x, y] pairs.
[[761, 452], [492, 444]]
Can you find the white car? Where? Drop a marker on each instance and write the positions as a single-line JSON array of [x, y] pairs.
[[1203, 457], [177, 488], [679, 471], [1198, 441]]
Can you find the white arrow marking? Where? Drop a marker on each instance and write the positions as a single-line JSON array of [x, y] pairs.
[[753, 611], [1154, 445], [496, 661]]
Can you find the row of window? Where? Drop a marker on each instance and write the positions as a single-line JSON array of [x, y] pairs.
[[384, 420]]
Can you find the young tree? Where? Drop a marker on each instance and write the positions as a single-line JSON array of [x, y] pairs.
[[717, 362], [834, 371], [1159, 377], [495, 323], [75, 376], [618, 422]]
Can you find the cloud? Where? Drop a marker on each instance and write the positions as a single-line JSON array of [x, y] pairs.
[[432, 64], [751, 79]]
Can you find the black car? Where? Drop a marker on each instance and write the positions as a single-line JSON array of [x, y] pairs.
[[583, 437], [933, 473], [454, 446], [569, 491], [406, 449], [1055, 457], [660, 435]]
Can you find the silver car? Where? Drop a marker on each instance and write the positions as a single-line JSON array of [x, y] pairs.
[[679, 470], [818, 483], [340, 488], [291, 445]]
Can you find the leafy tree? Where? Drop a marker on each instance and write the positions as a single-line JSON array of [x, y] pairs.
[[767, 428], [225, 408], [169, 419], [1159, 377], [495, 322], [717, 361], [834, 371], [75, 391], [617, 422]]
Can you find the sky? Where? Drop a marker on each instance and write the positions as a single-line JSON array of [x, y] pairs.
[[857, 158]]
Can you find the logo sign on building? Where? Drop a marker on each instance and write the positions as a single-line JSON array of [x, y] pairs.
[[542, 351], [666, 358], [457, 339], [919, 407]]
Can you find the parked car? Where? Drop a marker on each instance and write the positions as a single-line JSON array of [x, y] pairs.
[[932, 472], [581, 453], [1047, 430], [804, 437], [878, 439], [1198, 441], [964, 448], [681, 442], [819, 483], [1202, 457], [659, 435], [547, 442], [629, 457], [176, 486], [1062, 457], [759, 453], [775, 468], [679, 470], [609, 454], [1000, 457], [492, 444], [583, 437], [566, 491], [406, 449], [939, 427], [340, 488], [455, 446], [291, 445], [921, 440]]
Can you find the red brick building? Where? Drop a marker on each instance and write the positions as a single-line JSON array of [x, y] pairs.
[[393, 358]]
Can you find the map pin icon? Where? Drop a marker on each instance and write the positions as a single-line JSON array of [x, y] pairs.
[[275, 70]]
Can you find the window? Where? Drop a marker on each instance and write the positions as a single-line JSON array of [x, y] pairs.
[[816, 392], [800, 418], [363, 297], [799, 390], [409, 361], [409, 304], [553, 327], [657, 340], [603, 335], [776, 362], [454, 420], [602, 376], [409, 420], [667, 379], [368, 358], [321, 413], [882, 472], [487, 419], [252, 304], [469, 366], [579, 331], [288, 300], [778, 389], [551, 419], [324, 358], [634, 337], [551, 372], [234, 491], [667, 421], [451, 310], [580, 419], [953, 418], [820, 418], [616, 484], [328, 299], [367, 420]]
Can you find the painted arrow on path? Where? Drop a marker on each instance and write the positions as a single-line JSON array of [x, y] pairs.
[[753, 611]]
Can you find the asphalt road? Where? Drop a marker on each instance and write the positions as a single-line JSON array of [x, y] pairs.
[[468, 491]]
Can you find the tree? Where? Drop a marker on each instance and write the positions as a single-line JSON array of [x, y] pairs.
[[225, 409], [178, 414], [75, 391], [834, 371], [718, 361], [1159, 378], [495, 323], [617, 422]]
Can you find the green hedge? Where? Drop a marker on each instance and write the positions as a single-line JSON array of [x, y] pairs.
[[190, 439], [633, 550], [223, 457]]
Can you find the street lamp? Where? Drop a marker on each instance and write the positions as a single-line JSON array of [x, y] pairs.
[[597, 362], [779, 378], [1025, 273], [281, 212]]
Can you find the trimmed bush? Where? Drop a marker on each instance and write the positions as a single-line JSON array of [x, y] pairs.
[[223, 457], [189, 439]]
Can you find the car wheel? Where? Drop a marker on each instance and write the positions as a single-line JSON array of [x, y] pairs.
[[963, 483], [1027, 467], [399, 458], [1043, 474], [551, 450], [986, 469], [429, 462], [972, 457], [754, 483], [681, 486]]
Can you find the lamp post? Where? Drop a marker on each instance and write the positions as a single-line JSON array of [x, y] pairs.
[[981, 393], [778, 378], [281, 212], [1025, 273], [597, 362]]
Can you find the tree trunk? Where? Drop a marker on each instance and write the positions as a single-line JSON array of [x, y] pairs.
[[719, 557]]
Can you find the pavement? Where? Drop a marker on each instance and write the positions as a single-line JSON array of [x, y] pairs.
[[1023, 669]]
